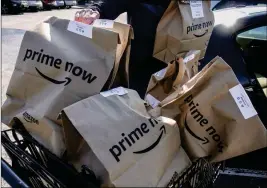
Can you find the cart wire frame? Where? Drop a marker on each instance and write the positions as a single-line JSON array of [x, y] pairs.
[[201, 174], [37, 166]]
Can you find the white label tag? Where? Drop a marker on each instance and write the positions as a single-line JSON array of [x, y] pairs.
[[161, 73], [152, 100], [189, 58], [243, 102], [80, 28], [103, 23], [115, 91], [196, 9]]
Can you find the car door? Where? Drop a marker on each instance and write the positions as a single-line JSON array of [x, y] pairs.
[[224, 4], [250, 38], [224, 43], [253, 44]]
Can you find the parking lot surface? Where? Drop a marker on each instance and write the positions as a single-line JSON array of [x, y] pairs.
[[28, 20]]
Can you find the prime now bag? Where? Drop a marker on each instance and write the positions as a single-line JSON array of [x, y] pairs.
[[120, 75], [167, 80], [185, 25], [59, 63], [86, 157], [216, 116], [130, 147]]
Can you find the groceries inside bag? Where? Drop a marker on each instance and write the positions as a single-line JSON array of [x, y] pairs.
[[216, 116], [184, 26], [120, 142], [167, 80], [59, 63]]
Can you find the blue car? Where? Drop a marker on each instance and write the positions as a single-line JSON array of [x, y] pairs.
[[13, 6]]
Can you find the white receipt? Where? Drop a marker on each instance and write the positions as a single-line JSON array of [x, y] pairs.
[[152, 100], [80, 28], [115, 91], [243, 102], [103, 23], [161, 73], [196, 9], [189, 58]]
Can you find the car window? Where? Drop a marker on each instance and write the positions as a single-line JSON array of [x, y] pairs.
[[258, 33], [246, 38], [224, 4], [253, 44]]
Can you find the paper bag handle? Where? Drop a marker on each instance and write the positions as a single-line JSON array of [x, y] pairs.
[[181, 71]]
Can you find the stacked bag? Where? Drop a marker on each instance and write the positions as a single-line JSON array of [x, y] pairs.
[[215, 115], [63, 91], [62, 62]]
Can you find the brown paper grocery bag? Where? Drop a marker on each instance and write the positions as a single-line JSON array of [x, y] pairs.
[[177, 166], [185, 25], [125, 31], [215, 114], [60, 62], [167, 80], [86, 157], [122, 76], [131, 148]]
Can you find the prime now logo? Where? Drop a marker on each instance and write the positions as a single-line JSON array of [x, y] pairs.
[[196, 27], [57, 63], [133, 137], [202, 122]]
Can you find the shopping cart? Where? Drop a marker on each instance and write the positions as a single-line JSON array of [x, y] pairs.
[[35, 166]]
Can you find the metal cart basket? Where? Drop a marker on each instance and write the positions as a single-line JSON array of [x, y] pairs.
[[35, 166]]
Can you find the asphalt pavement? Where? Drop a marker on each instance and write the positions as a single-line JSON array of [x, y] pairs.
[[13, 29]]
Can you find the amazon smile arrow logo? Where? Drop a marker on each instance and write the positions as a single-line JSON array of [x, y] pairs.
[[204, 123], [66, 81], [202, 34], [204, 141], [163, 131], [133, 137]]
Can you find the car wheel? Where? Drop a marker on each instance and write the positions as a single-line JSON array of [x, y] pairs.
[[46, 7], [33, 9], [69, 7], [4, 9], [16, 10]]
